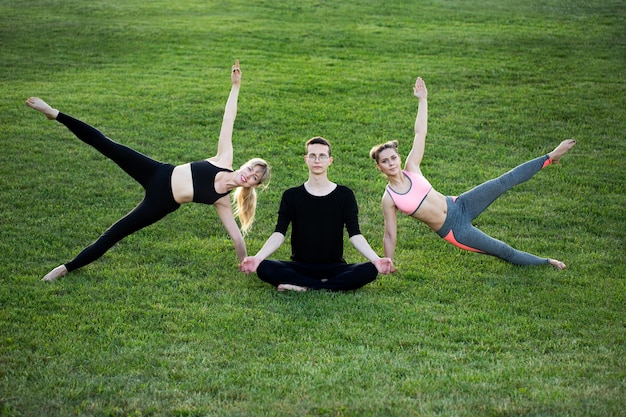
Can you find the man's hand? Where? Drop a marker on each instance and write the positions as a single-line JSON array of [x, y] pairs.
[[384, 266], [249, 264]]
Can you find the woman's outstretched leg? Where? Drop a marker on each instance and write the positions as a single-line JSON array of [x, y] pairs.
[[152, 175], [469, 237], [475, 201], [139, 166], [480, 197], [149, 211]]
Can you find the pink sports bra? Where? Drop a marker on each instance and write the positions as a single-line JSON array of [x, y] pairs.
[[409, 202]]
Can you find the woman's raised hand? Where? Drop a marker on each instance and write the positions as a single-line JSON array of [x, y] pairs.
[[420, 88], [236, 73]]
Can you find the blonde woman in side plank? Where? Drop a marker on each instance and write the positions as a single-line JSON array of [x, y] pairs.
[[166, 186]]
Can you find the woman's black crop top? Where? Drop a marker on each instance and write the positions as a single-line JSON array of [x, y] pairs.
[[203, 177]]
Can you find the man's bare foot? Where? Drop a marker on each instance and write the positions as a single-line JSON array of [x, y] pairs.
[[40, 105], [291, 287], [57, 272], [560, 150], [557, 264]]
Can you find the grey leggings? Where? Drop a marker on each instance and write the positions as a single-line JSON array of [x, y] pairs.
[[458, 229]]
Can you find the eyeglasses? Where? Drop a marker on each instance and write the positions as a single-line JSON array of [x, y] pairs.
[[321, 158]]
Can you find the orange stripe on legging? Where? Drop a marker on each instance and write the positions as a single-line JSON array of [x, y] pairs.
[[451, 239]]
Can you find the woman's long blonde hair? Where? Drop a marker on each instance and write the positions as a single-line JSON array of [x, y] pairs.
[[244, 199]]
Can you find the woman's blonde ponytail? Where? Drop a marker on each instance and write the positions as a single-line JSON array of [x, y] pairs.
[[245, 207], [244, 199]]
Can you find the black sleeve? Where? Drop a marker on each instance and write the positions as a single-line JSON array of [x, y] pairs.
[[351, 213], [284, 214]]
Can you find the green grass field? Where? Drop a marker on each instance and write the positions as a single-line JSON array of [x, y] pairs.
[[165, 325]]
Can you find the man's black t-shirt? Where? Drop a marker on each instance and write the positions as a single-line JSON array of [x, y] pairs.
[[317, 223]]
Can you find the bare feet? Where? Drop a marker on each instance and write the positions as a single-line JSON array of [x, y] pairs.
[[57, 272], [40, 105], [560, 150], [291, 287], [557, 264]]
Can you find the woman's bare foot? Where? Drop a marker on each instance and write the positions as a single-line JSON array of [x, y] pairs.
[[291, 287], [40, 105], [557, 264], [560, 150], [57, 272]]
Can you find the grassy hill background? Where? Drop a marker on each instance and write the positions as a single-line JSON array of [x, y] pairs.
[[164, 324]]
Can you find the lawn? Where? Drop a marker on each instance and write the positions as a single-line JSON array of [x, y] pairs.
[[165, 325]]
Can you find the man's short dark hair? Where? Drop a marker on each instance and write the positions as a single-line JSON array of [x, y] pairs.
[[317, 140]]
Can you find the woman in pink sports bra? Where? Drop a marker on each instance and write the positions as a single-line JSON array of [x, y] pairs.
[[451, 217]]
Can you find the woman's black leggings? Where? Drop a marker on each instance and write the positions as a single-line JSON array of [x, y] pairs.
[[154, 177]]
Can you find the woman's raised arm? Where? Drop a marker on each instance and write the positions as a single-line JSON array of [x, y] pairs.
[[224, 155], [414, 159]]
